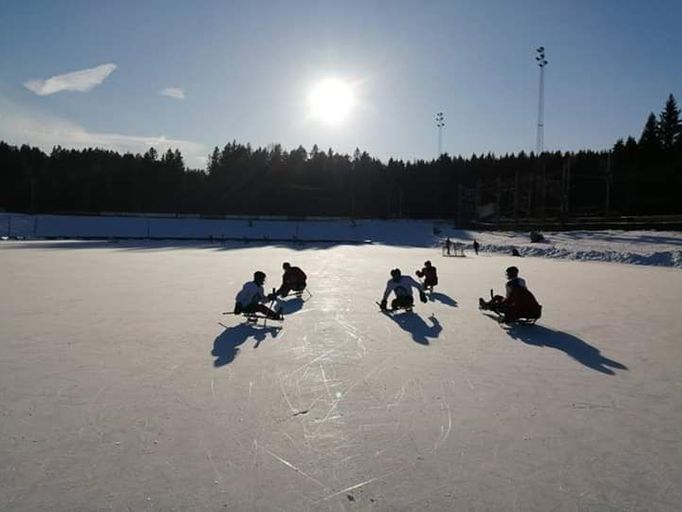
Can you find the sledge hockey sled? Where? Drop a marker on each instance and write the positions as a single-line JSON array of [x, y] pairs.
[[427, 289], [403, 309], [254, 318], [300, 293]]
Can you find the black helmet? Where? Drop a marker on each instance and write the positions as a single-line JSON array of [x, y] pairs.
[[395, 273], [286, 265], [427, 263], [512, 272], [259, 277]]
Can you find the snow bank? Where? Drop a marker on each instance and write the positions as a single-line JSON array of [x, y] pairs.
[[658, 248]]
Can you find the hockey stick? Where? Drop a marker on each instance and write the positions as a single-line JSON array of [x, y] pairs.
[[272, 303]]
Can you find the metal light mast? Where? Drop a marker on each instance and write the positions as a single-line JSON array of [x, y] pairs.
[[542, 62], [440, 122]]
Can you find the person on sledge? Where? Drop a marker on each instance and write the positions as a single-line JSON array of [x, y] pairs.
[[402, 287], [429, 274], [292, 279], [518, 301], [252, 296]]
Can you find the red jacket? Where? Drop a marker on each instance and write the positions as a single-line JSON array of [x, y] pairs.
[[521, 303], [429, 274], [293, 275]]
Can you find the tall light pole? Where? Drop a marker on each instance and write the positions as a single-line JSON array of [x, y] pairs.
[[440, 122], [542, 62]]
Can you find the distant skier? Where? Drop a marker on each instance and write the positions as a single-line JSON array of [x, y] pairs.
[[477, 246], [429, 274], [518, 301], [402, 287], [293, 279], [249, 300]]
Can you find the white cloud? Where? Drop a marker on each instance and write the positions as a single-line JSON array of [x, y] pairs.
[[81, 81], [20, 126], [173, 92]]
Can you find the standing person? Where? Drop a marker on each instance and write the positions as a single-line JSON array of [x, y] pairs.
[[448, 245], [518, 301], [476, 246], [429, 274], [402, 287], [292, 279], [252, 296]]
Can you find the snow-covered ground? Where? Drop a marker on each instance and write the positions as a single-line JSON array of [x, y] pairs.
[[120, 390], [659, 248]]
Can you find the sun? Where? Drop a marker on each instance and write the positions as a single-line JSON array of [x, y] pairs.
[[331, 101]]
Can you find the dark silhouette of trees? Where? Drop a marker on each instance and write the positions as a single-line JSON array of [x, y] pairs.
[[640, 177], [669, 124]]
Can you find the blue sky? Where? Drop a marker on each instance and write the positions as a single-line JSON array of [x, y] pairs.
[[245, 69]]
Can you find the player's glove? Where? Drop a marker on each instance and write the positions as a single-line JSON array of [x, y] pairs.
[[237, 308], [271, 296], [422, 296], [383, 304]]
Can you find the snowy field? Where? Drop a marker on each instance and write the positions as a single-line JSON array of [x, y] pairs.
[[120, 390]]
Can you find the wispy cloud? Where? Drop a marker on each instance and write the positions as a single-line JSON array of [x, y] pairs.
[[173, 92], [21, 126], [80, 81]]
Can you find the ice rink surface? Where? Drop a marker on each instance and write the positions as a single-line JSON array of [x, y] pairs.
[[120, 390]]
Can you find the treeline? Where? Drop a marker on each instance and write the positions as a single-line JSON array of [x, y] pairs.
[[640, 176]]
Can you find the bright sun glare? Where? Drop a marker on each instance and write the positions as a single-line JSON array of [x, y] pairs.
[[331, 101]]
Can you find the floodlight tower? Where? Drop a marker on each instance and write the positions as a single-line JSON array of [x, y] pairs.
[[440, 122], [542, 62]]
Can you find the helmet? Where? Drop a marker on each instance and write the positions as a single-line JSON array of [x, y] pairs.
[[395, 273], [512, 272], [286, 265], [259, 277], [427, 263]]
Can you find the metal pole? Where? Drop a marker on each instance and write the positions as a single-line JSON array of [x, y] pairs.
[[516, 195], [440, 141], [540, 139], [440, 122], [607, 205], [459, 205]]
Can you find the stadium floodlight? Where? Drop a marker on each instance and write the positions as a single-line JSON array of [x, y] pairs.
[[542, 62]]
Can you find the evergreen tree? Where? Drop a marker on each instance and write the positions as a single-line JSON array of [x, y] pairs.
[[213, 161], [669, 123], [650, 135], [151, 155]]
